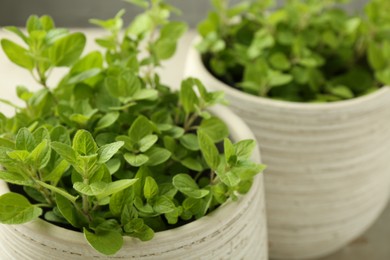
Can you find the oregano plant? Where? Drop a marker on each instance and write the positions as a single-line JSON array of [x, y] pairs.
[[109, 150], [302, 50]]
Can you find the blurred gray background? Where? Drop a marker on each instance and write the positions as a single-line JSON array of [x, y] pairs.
[[75, 13]]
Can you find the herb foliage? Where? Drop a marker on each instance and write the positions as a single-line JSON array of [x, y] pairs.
[[305, 50], [110, 150]]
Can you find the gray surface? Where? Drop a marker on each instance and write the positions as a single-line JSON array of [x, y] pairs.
[[373, 245], [75, 13]]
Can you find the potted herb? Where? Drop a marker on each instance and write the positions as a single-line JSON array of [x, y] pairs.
[[310, 80], [111, 157]]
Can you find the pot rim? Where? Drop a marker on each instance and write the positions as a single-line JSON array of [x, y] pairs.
[[194, 59], [239, 130]]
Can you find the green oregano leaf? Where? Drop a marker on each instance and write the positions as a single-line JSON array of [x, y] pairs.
[[68, 49], [16, 209], [104, 241], [40, 156], [209, 150], [150, 188], [24, 140], [83, 143], [17, 54], [186, 184], [106, 152]]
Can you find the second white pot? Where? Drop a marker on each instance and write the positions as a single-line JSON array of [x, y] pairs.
[[328, 169]]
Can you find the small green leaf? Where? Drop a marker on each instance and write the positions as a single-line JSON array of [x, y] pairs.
[[244, 149], [352, 25], [146, 142], [209, 150], [136, 160], [106, 152], [41, 134], [55, 175], [140, 128], [104, 241], [164, 205], [150, 187], [173, 30], [376, 57], [228, 149], [120, 200], [190, 141], [263, 39], [40, 156], [140, 25], [16, 209], [145, 94], [230, 178], [92, 60], [137, 228], [280, 61], [188, 98], [82, 76], [383, 76], [15, 178], [25, 140], [92, 189], [125, 85], [19, 155], [107, 120], [143, 209], [33, 24], [65, 151], [60, 134], [47, 22], [247, 170], [219, 192], [114, 25], [54, 34], [7, 143], [186, 185], [341, 91], [215, 128], [194, 206], [278, 79], [165, 46], [117, 186], [17, 54], [68, 211], [192, 164], [330, 39], [83, 143], [67, 50], [157, 156], [173, 216], [113, 165]]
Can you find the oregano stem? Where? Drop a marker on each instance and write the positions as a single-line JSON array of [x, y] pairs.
[[189, 121], [85, 200]]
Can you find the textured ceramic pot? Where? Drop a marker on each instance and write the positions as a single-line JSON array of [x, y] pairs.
[[236, 230], [328, 165]]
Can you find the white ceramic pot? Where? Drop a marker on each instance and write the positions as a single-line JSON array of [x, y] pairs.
[[236, 230], [328, 165]]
